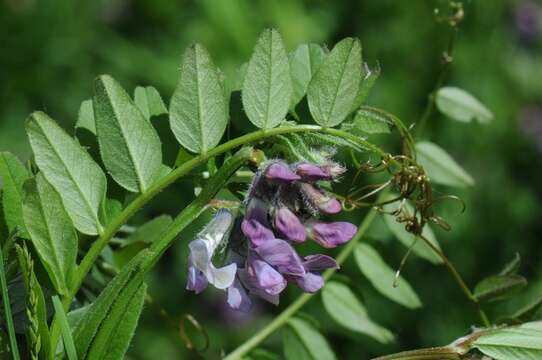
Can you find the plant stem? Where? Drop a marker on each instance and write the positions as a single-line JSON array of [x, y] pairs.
[[96, 248], [7, 310], [447, 59], [280, 320], [459, 279], [185, 217]]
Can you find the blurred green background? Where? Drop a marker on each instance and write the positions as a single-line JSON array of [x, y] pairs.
[[51, 50]]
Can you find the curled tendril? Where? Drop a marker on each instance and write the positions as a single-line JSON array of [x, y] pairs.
[[186, 338]]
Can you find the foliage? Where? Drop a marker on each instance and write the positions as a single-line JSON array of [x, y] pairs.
[[75, 202]]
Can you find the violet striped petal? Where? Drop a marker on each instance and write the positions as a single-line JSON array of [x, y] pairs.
[[238, 298], [282, 256], [310, 282], [330, 235], [280, 172], [319, 262], [320, 200], [289, 225]]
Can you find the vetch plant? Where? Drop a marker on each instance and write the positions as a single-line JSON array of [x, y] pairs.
[[311, 158]]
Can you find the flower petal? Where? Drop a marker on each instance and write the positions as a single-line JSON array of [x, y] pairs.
[[311, 172], [238, 298], [330, 235], [244, 277], [282, 256], [280, 172], [289, 225], [256, 232], [195, 280], [319, 262], [221, 278], [310, 282], [263, 276], [319, 199]]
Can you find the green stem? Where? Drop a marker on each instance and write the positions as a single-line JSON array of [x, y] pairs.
[[7, 310], [111, 229], [185, 217], [280, 320], [459, 279]]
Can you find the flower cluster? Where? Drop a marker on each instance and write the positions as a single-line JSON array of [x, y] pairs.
[[282, 209]]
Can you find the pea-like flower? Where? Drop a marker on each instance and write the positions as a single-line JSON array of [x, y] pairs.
[[201, 269], [282, 209]]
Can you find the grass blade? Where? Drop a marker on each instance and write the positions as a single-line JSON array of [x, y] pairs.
[[7, 309], [65, 329]]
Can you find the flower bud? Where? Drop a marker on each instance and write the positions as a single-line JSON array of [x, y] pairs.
[[319, 199], [280, 172], [289, 225], [311, 172], [330, 235]]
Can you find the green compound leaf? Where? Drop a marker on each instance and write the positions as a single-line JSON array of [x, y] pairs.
[[129, 145], [150, 231], [267, 87], [70, 170], [302, 342], [368, 121], [117, 330], [498, 286], [369, 78], [51, 230], [398, 229], [149, 101], [440, 166], [304, 63], [198, 110], [518, 342], [85, 117], [13, 175], [93, 333], [382, 277], [333, 89], [343, 306], [461, 106]]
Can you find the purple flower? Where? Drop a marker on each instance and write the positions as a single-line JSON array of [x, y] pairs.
[[281, 208], [289, 225], [330, 235], [310, 282], [263, 276], [203, 249], [311, 172], [320, 200], [196, 280], [319, 262], [238, 298], [280, 172], [282, 256]]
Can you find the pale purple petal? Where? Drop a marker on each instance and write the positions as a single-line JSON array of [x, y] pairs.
[[319, 199], [333, 170], [282, 256], [195, 280], [280, 172], [238, 298], [289, 225], [256, 232], [248, 283], [311, 172], [310, 282], [319, 262], [263, 276], [330, 235]]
